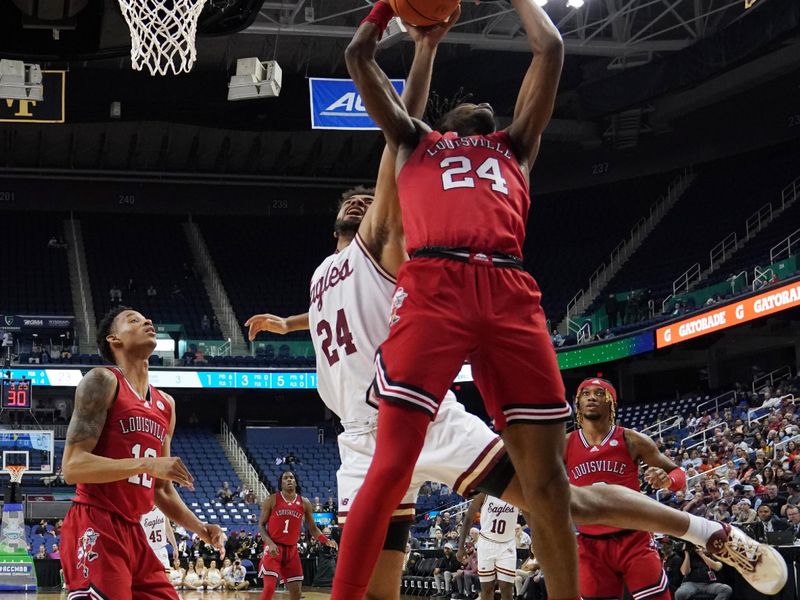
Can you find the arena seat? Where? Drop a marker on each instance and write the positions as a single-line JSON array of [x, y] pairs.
[[151, 252], [26, 257]]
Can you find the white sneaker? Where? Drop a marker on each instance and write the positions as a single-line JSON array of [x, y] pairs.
[[760, 565]]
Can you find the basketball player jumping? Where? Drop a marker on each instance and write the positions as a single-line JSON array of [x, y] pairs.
[[459, 449], [118, 452], [281, 518], [463, 294]]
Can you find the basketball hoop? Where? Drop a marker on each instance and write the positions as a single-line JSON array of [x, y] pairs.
[[162, 33], [16, 471]]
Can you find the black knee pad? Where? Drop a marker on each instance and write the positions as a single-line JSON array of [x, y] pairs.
[[397, 536], [497, 480]]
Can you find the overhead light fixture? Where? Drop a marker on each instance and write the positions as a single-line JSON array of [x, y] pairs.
[[255, 79], [575, 3], [20, 81]]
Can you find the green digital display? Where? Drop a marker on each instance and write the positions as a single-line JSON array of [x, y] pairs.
[[572, 358]]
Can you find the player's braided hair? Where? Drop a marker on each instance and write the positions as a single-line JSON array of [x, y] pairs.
[[280, 480], [612, 413], [439, 106], [104, 330]]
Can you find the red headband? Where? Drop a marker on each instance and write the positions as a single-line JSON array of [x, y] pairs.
[[597, 382]]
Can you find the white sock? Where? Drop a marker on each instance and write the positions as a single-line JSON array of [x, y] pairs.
[[700, 530]]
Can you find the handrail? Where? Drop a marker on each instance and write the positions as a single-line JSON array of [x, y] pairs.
[[617, 255], [784, 247], [760, 274], [757, 220], [759, 382], [720, 252], [718, 402], [702, 432], [681, 284], [794, 438], [690, 481], [77, 254], [585, 333], [252, 479], [773, 405], [735, 278], [676, 422], [792, 189]]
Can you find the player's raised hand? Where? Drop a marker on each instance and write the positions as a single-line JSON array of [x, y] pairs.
[[214, 536], [266, 322], [170, 468], [433, 34], [657, 478]]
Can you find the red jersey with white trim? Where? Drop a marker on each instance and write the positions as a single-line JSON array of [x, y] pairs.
[[135, 428], [464, 192], [609, 462], [285, 520]]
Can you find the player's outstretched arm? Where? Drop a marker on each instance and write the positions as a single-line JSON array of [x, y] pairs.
[[538, 92], [466, 523], [93, 399], [270, 547], [275, 324], [172, 505], [382, 101], [313, 528], [382, 226]]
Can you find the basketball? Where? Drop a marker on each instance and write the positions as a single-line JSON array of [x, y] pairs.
[[423, 13]]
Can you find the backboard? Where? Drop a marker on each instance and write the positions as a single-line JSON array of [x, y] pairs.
[[34, 449]]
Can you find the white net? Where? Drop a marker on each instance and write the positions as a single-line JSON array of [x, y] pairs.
[[162, 34], [16, 471]]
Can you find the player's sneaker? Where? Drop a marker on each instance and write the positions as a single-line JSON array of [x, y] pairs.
[[760, 565]]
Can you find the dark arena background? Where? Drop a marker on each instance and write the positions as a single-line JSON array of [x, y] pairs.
[[664, 233]]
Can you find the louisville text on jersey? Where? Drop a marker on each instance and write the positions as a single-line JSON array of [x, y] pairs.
[[598, 466], [143, 425], [473, 141]]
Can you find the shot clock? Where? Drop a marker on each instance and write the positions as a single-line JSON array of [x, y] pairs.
[[16, 394]]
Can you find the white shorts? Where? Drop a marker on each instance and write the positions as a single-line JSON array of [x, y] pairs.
[[162, 555], [459, 451], [496, 560]]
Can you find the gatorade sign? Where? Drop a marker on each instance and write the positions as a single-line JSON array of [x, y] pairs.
[[336, 104], [717, 319]]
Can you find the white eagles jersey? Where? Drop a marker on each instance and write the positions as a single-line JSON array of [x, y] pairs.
[[351, 297], [498, 520], [154, 524]]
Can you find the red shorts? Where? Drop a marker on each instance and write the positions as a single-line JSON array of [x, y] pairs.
[[106, 557], [285, 566], [605, 565], [444, 312]]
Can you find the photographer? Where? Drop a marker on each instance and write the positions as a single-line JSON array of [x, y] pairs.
[[237, 579], [699, 576]]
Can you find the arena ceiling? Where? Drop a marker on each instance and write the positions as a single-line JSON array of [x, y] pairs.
[[628, 50]]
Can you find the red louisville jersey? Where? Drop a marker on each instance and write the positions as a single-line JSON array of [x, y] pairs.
[[135, 427], [608, 462], [285, 520], [464, 192]]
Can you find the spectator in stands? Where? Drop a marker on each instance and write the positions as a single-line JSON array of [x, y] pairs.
[[205, 325], [697, 570], [41, 554], [523, 578], [774, 499], [227, 572], [444, 571], [132, 287], [152, 292], [41, 528], [770, 521], [557, 338], [523, 540], [330, 505], [793, 517], [317, 504], [466, 578], [673, 558], [54, 552], [225, 493], [438, 540], [238, 577], [794, 495]]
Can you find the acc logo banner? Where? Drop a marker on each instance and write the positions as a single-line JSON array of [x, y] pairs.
[[335, 104], [717, 319], [48, 110]]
